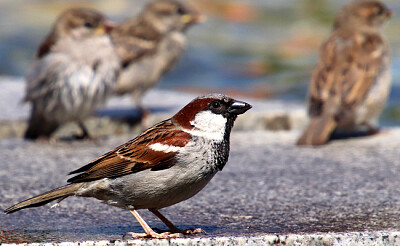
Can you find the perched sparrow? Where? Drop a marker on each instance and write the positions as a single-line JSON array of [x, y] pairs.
[[75, 71], [351, 82], [168, 163], [151, 44]]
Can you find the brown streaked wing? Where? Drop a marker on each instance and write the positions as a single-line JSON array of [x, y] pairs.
[[348, 67], [135, 39], [135, 155], [132, 48]]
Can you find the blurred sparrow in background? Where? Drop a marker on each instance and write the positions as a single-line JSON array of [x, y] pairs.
[[168, 163], [351, 82], [75, 70], [151, 44]]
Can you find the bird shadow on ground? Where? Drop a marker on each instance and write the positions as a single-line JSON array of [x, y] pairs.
[[339, 135], [130, 115]]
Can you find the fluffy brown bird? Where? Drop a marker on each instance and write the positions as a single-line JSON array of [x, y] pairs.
[[168, 163], [75, 71], [151, 44], [351, 82]]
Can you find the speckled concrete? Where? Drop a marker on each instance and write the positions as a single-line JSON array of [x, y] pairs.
[[269, 187], [270, 193], [329, 239]]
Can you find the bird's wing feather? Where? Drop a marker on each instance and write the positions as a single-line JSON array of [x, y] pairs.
[[135, 39], [348, 67], [136, 155]]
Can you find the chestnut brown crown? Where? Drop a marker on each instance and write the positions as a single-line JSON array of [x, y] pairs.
[[216, 103]]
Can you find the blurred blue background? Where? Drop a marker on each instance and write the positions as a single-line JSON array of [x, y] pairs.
[[257, 48]]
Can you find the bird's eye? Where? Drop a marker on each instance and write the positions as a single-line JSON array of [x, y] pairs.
[[88, 24], [379, 11], [217, 107], [180, 11], [216, 104]]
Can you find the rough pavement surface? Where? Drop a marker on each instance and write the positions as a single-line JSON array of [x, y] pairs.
[[269, 187]]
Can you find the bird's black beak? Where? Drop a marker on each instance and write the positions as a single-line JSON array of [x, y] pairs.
[[238, 107]]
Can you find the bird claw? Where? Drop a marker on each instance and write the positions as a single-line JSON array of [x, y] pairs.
[[193, 231], [189, 231], [133, 235], [164, 235], [81, 137], [170, 235]]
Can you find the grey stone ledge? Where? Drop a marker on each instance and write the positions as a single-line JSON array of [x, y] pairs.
[[331, 239]]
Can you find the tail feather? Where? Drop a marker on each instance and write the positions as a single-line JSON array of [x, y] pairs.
[[318, 131], [58, 193], [39, 126]]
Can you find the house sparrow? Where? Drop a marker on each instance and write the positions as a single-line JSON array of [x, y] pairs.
[[151, 44], [168, 163], [351, 82], [75, 71]]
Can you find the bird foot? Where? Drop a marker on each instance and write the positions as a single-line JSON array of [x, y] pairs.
[[193, 231], [81, 137], [43, 139], [189, 231], [164, 235], [145, 113], [384, 131], [373, 131]]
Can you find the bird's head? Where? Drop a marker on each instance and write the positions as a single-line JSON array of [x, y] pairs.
[[211, 116], [171, 15], [81, 23], [363, 14]]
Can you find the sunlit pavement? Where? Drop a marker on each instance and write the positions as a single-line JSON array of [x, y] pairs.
[[269, 187]]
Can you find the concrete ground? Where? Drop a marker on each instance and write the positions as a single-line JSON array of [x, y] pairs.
[[269, 187], [270, 192]]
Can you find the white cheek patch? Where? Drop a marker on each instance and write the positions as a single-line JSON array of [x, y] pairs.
[[209, 125], [164, 148]]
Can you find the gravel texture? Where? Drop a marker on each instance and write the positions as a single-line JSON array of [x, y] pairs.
[[347, 239], [269, 187], [270, 193]]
